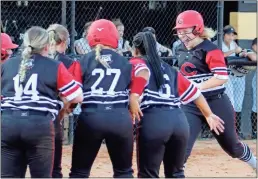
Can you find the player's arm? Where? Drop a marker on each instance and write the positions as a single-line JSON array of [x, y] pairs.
[[69, 90], [76, 70], [188, 92], [140, 78], [217, 65]]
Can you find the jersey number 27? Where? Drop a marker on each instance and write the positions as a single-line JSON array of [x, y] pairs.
[[102, 73], [29, 89]]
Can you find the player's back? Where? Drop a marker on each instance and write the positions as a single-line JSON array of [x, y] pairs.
[[103, 85], [165, 96], [39, 89]]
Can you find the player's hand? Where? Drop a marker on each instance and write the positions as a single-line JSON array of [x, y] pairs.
[[216, 124], [135, 109]]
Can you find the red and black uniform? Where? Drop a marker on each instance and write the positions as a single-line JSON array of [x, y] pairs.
[[28, 110], [198, 65], [163, 130], [57, 169], [104, 114]]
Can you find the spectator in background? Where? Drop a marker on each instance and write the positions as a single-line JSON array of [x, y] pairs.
[[175, 45], [252, 55], [124, 47], [162, 50], [235, 87], [82, 46]]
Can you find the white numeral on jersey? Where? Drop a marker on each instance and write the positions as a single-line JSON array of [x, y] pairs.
[[29, 89], [101, 73], [167, 92]]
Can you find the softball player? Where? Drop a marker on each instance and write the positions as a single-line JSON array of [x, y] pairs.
[[6, 46], [30, 85], [203, 63], [58, 39], [106, 78], [163, 131]]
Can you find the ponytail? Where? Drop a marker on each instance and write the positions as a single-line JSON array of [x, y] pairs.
[[146, 44], [34, 41], [52, 43], [98, 49], [57, 34], [208, 33], [26, 55]]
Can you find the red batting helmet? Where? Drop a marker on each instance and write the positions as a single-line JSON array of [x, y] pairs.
[[188, 19], [103, 32], [6, 44]]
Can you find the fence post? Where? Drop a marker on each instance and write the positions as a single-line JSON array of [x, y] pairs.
[[220, 22], [72, 25], [63, 20]]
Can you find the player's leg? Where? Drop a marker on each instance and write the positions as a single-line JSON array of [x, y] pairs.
[[119, 142], [174, 156], [13, 158], [154, 131], [57, 169], [86, 144], [39, 135], [229, 140]]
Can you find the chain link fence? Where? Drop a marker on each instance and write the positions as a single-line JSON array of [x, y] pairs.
[[17, 16]]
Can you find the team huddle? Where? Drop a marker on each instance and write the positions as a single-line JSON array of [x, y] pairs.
[[168, 106]]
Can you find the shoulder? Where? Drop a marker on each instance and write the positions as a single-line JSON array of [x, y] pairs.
[[137, 60], [207, 46]]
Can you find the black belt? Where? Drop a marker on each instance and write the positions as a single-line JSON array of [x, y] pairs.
[[217, 96], [24, 112], [161, 107], [102, 107]]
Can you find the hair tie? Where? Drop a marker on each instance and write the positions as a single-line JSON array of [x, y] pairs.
[[30, 47]]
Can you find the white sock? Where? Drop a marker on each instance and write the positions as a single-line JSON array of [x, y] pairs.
[[248, 157]]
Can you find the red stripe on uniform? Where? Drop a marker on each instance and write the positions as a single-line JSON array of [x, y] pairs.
[[221, 73], [71, 90], [191, 94]]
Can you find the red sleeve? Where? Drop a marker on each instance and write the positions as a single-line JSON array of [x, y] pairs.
[[216, 62], [187, 90], [75, 70], [138, 65], [66, 84]]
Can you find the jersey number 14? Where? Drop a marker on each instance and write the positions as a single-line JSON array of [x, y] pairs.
[[29, 89]]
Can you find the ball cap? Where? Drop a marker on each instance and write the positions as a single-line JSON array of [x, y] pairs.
[[6, 42], [229, 29]]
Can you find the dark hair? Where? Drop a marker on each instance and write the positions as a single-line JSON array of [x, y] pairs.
[[254, 42], [146, 44]]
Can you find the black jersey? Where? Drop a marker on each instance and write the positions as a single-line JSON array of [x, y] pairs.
[[201, 63], [105, 85], [175, 91], [45, 79]]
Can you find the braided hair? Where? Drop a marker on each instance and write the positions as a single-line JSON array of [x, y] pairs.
[[146, 44]]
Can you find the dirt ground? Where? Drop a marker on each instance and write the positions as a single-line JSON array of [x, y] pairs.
[[207, 160]]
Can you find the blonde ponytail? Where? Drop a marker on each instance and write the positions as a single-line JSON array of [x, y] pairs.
[[208, 33], [34, 41], [98, 49], [26, 55], [52, 43], [57, 34]]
